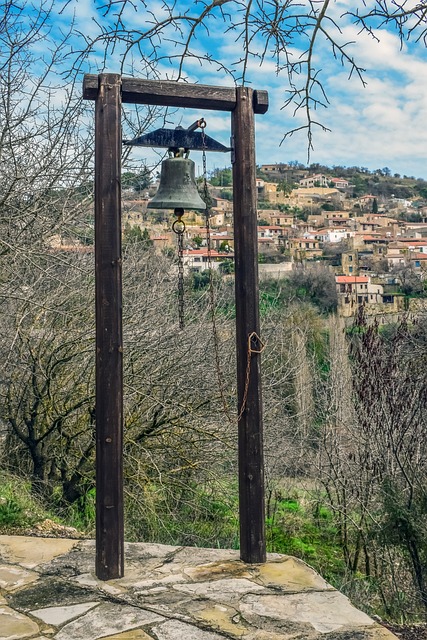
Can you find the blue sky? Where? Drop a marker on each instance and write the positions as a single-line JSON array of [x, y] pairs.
[[382, 124]]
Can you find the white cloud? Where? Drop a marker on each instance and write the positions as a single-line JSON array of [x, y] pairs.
[[380, 125]]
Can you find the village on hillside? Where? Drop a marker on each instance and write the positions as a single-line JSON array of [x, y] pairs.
[[375, 245]]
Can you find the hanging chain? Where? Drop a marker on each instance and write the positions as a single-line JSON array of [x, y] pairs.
[[255, 344], [178, 227], [212, 301]]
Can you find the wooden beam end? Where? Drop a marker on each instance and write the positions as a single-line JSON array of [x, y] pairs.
[[260, 102]]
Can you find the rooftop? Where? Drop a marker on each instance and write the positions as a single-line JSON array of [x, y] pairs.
[[351, 279]]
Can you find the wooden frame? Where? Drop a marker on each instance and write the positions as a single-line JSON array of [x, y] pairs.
[[109, 91]]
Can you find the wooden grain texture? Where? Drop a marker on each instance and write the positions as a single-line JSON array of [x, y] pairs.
[[109, 351], [250, 445], [176, 94]]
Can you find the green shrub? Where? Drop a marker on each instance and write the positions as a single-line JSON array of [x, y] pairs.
[[19, 508], [11, 512]]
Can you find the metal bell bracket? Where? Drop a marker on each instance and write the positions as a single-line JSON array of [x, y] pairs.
[[177, 188], [180, 138]]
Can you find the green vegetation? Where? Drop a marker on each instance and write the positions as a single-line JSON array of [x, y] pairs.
[[197, 241], [298, 525], [134, 233], [301, 526], [19, 507], [227, 266], [139, 181], [314, 286], [81, 514], [380, 182], [221, 177]]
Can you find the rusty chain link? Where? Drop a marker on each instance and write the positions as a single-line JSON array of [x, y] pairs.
[[253, 341], [178, 227]]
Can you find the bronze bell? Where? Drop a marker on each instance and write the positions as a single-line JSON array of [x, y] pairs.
[[177, 188]]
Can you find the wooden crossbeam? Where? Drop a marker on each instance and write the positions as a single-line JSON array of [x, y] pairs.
[[167, 93]]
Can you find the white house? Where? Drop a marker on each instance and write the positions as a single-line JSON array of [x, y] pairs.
[[330, 234], [317, 180], [202, 259]]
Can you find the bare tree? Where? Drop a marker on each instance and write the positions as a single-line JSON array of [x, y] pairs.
[[44, 150], [373, 458], [287, 33], [177, 438]]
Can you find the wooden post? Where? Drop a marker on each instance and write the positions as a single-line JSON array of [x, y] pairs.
[[109, 344], [251, 464]]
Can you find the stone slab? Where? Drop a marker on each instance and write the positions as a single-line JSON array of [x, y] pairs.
[[141, 551], [59, 615], [325, 611], [191, 557], [89, 580], [222, 618], [225, 590], [290, 574], [218, 571], [13, 578], [134, 634], [15, 626], [30, 552], [175, 630], [50, 592], [107, 619]]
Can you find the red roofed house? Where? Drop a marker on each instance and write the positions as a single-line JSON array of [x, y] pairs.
[[339, 183], [357, 290]]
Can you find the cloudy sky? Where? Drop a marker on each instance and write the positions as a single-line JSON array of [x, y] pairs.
[[380, 124]]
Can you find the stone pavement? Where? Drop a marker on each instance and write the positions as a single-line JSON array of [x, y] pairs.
[[48, 590]]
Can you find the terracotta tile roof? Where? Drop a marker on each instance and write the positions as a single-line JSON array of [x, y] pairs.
[[351, 279], [371, 236]]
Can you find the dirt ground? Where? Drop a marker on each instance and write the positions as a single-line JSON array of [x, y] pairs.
[[409, 632]]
